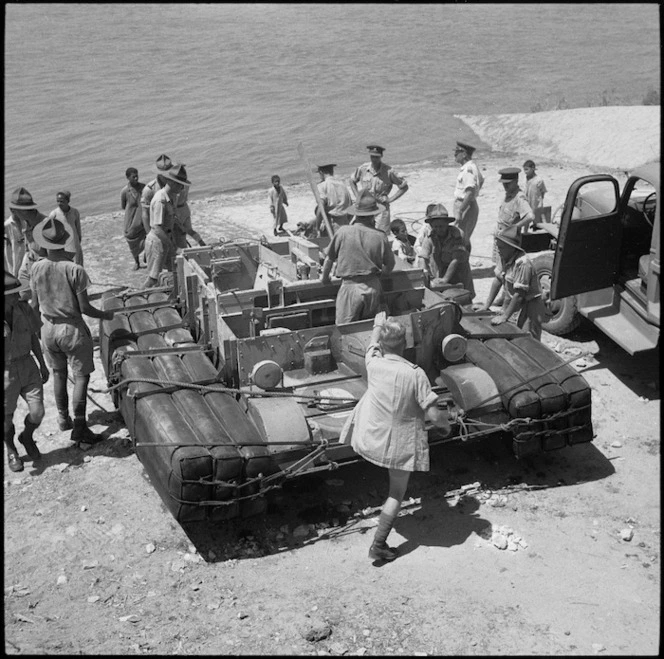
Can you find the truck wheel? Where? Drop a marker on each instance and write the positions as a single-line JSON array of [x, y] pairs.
[[563, 314]]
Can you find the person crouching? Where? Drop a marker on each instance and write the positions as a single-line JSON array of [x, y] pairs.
[[521, 283], [387, 425]]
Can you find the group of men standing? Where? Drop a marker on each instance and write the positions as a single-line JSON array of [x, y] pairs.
[[362, 252]]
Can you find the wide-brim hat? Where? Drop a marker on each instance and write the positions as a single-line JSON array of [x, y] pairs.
[[365, 204], [178, 174], [509, 174], [52, 233], [14, 285], [510, 236], [164, 163], [437, 212], [22, 200]]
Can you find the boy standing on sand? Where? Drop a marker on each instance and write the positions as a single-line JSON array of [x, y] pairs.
[[70, 216], [278, 199], [22, 377], [535, 188]]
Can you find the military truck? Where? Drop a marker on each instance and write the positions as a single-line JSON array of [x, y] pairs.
[[602, 260]]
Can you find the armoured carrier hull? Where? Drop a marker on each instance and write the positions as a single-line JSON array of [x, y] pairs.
[[233, 378]]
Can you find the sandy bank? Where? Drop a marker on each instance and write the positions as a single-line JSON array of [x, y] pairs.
[[620, 137]]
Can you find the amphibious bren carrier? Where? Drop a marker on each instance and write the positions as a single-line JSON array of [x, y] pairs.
[[234, 378]]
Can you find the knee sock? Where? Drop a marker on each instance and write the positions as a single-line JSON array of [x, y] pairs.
[[30, 428], [79, 396], [9, 439], [385, 523], [60, 392]]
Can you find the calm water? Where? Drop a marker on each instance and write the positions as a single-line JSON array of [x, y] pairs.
[[230, 90]]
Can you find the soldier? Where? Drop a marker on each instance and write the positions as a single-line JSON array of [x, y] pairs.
[[60, 291], [468, 185], [22, 377], [159, 245], [335, 197], [362, 253], [521, 283], [443, 256], [514, 211], [379, 179], [18, 230], [163, 164]]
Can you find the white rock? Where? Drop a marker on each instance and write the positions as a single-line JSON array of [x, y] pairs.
[[616, 444], [149, 548], [598, 647], [192, 549], [627, 534], [93, 598], [62, 580], [499, 540], [83, 508], [512, 546]]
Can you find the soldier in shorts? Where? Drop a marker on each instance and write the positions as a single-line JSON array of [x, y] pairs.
[[22, 377], [60, 290]]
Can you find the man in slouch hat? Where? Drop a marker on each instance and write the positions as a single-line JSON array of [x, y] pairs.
[[379, 178], [60, 291], [362, 254], [18, 230], [159, 244]]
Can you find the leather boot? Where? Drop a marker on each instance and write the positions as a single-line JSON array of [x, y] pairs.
[[15, 463], [28, 441], [81, 434], [379, 551]]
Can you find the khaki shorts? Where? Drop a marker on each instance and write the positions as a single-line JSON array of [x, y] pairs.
[[159, 256], [358, 299], [70, 344], [22, 378]]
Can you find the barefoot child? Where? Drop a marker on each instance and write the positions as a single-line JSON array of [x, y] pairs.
[[278, 199]]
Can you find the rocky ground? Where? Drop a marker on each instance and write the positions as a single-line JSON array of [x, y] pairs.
[[556, 554]]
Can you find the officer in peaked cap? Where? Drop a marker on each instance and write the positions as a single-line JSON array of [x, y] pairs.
[[509, 174], [379, 178], [468, 185]]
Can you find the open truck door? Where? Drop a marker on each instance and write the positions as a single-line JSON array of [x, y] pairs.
[[588, 248], [607, 258]]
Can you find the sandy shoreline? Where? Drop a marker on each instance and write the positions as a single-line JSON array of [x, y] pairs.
[[628, 131]]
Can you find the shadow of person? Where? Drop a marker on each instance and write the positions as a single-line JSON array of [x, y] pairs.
[[438, 524]]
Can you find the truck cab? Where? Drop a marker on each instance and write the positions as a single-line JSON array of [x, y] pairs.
[[607, 255]]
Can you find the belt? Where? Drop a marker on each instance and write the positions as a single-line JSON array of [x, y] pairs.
[[360, 277], [61, 321], [181, 205]]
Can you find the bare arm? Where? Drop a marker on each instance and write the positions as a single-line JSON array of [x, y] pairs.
[[515, 303], [89, 310], [327, 268], [467, 198]]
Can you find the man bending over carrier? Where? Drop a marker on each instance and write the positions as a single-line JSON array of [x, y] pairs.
[[362, 253]]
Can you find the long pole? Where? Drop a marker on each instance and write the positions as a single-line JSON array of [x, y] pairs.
[[314, 189]]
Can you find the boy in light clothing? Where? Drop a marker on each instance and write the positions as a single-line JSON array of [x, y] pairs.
[[278, 199], [535, 188]]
